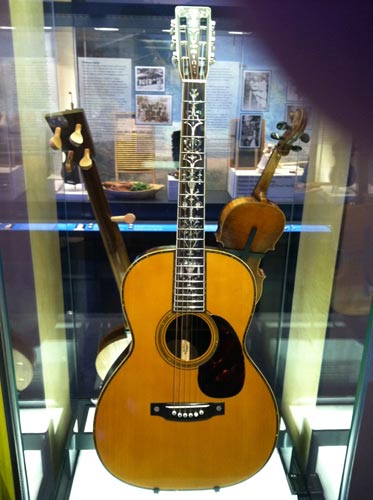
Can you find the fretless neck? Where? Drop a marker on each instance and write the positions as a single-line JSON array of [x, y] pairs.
[[189, 281], [112, 239], [261, 188]]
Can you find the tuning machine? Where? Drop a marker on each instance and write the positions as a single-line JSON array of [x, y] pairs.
[[55, 141], [69, 161], [305, 137], [172, 26], [283, 126], [86, 161], [128, 219], [275, 136], [76, 137]]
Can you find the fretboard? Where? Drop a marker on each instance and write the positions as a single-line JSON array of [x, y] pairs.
[[189, 277]]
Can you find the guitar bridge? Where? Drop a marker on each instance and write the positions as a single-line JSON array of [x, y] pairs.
[[187, 412]]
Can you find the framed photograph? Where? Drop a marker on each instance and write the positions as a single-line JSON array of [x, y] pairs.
[[153, 109], [256, 88], [291, 108], [150, 78], [250, 131]]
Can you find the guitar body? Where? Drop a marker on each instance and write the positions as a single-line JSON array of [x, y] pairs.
[[168, 421]]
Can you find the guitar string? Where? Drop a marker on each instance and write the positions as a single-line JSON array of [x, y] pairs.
[[185, 322]]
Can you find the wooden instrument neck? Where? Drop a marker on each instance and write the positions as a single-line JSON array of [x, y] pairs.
[[111, 236], [261, 188], [189, 285]]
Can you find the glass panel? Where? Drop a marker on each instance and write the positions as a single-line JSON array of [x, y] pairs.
[[62, 276]]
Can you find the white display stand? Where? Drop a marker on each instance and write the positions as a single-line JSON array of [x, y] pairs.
[[242, 183]]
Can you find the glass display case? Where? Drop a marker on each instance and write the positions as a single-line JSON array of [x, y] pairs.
[[63, 332]]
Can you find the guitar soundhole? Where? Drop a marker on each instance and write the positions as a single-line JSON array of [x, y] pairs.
[[188, 337]]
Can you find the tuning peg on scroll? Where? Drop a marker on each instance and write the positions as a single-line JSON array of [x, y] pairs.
[[305, 137], [275, 136], [283, 126], [296, 148], [69, 161], [128, 218], [76, 137], [55, 141], [86, 161]]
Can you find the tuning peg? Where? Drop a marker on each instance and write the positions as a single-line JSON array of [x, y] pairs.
[[174, 58], [283, 126], [305, 137], [172, 46], [69, 161], [86, 161], [275, 136], [128, 218], [55, 141], [296, 148], [76, 137]]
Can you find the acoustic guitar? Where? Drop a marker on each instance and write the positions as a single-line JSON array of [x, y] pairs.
[[186, 408], [71, 135], [250, 226]]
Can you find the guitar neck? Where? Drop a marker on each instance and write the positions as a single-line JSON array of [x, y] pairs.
[[112, 239], [261, 188], [189, 283]]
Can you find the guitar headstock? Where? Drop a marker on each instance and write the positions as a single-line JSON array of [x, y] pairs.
[[293, 132], [193, 37], [71, 134]]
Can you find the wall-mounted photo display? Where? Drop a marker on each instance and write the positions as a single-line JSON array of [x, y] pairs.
[[250, 131], [153, 109], [256, 88], [150, 78], [294, 93]]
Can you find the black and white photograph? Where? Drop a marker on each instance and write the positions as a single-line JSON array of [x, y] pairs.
[[256, 88], [250, 131], [290, 110], [150, 78], [153, 109]]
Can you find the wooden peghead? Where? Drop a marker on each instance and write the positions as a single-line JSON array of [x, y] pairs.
[[128, 218], [69, 161], [55, 141], [76, 137], [86, 161]]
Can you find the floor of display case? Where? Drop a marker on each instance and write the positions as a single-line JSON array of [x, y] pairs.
[[92, 480]]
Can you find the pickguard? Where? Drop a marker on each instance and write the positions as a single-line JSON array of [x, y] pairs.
[[223, 375]]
